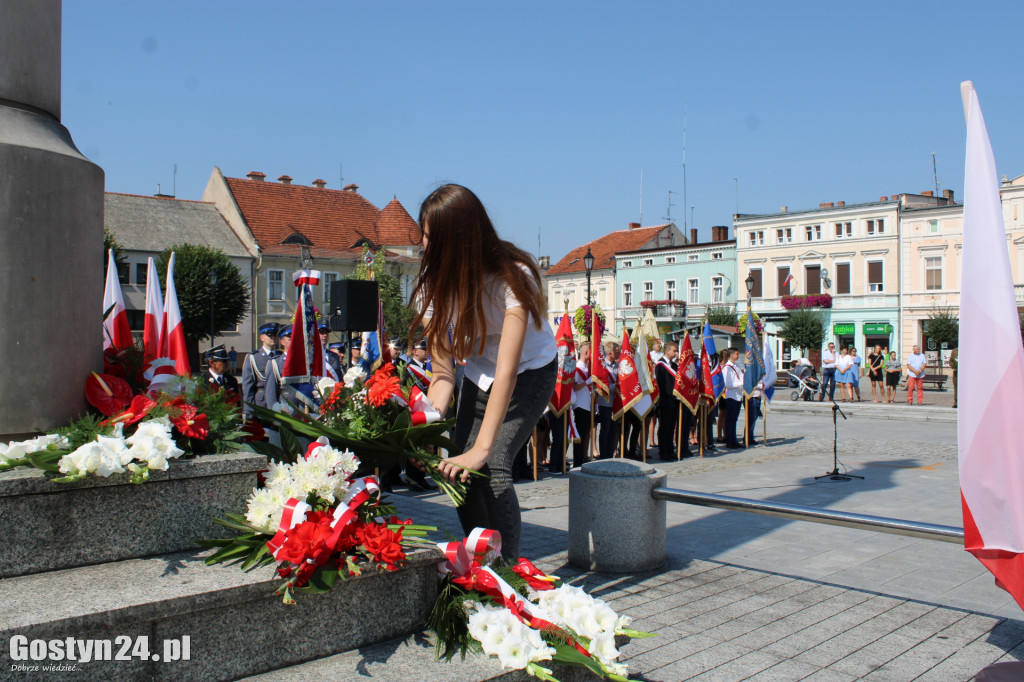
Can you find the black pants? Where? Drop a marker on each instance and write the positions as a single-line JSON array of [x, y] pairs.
[[732, 415], [581, 450], [667, 422], [608, 434], [633, 426]]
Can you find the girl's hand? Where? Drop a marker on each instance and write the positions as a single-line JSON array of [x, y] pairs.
[[455, 468]]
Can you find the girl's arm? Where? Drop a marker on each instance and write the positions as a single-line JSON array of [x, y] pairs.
[[510, 349], [442, 382]]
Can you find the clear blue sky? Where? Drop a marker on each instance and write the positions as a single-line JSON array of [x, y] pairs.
[[547, 110]]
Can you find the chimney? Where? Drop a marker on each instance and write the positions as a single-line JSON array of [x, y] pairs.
[[351, 187], [693, 235], [947, 194], [826, 204], [928, 193], [783, 209], [319, 183], [883, 198], [256, 176], [634, 226], [894, 197], [285, 179], [719, 233], [840, 203]]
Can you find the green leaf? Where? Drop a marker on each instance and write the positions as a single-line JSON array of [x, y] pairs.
[[290, 444], [41, 462]]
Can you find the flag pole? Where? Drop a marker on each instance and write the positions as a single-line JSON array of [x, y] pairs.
[[701, 425], [565, 436], [679, 432], [592, 450], [622, 436], [764, 418], [643, 436], [536, 454], [746, 421]]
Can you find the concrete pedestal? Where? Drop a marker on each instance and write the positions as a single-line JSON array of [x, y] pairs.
[[51, 228], [614, 523]]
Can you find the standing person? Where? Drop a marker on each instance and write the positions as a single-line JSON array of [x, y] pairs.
[[254, 370], [828, 373], [332, 366], [723, 358], [954, 364], [668, 404], [842, 373], [855, 374], [753, 411], [876, 372], [489, 293], [733, 376], [893, 371], [608, 436], [276, 366], [232, 360], [582, 388], [216, 374], [916, 364]]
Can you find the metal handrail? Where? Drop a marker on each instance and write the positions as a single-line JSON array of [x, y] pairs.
[[916, 529]]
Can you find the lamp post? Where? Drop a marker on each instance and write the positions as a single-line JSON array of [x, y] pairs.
[[749, 281], [213, 297], [588, 263]]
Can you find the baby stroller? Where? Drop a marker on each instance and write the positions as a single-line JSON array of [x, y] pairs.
[[804, 382]]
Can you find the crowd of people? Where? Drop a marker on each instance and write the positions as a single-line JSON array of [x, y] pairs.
[[845, 369]]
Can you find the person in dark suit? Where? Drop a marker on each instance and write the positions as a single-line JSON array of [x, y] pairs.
[[254, 369], [216, 374], [668, 406]]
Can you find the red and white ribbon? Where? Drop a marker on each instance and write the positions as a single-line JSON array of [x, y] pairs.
[[294, 513], [422, 409]]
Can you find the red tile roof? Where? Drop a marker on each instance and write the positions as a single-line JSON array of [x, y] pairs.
[[333, 221], [604, 249], [395, 225]]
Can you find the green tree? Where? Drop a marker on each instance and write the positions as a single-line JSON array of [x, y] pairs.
[[398, 316], [804, 329], [724, 315], [192, 266], [943, 327], [120, 262]]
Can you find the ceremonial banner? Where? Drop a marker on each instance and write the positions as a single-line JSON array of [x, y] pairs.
[[116, 331], [601, 378], [687, 386], [645, 376], [713, 385], [562, 397], [770, 376], [154, 314], [627, 391], [376, 350], [305, 357], [752, 358], [172, 333], [991, 368]]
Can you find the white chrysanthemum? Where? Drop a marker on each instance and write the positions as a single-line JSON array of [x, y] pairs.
[[353, 375], [278, 473], [261, 508], [326, 386]]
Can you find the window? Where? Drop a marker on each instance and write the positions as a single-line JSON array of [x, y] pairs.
[[670, 259], [136, 320], [329, 279], [717, 255], [755, 237], [693, 286], [876, 226], [648, 291], [812, 232], [670, 289], [275, 285], [844, 230], [933, 225], [123, 270], [782, 274], [693, 258], [875, 276], [627, 263], [842, 278], [602, 297], [784, 235], [141, 272], [717, 290], [627, 294], [756, 291], [933, 273], [648, 261], [571, 296], [812, 277]]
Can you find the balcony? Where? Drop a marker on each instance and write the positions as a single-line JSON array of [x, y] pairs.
[[663, 312]]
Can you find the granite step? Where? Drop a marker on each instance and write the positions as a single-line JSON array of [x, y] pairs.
[[235, 623]]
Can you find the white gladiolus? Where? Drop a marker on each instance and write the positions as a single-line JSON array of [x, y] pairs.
[[17, 450], [353, 375], [503, 635], [603, 648], [326, 386]]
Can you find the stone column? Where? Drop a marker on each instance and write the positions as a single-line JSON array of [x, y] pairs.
[[614, 523], [51, 232]]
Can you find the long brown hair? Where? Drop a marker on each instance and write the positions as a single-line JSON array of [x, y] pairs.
[[463, 250]]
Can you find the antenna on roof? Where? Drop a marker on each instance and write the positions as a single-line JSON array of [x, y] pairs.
[[935, 174], [684, 170], [641, 197], [668, 211]]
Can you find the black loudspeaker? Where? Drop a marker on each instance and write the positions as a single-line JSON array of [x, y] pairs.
[[353, 306]]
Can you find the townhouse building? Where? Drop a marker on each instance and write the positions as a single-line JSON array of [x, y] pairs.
[[678, 282]]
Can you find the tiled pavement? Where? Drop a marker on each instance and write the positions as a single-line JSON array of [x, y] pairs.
[[759, 598]]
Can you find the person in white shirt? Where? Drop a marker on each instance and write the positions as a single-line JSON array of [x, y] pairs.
[[481, 300], [581, 389], [916, 364], [608, 436], [733, 376], [828, 372]]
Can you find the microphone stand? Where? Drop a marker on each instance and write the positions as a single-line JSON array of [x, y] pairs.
[[834, 475]]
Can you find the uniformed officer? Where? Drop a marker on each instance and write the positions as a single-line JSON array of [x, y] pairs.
[[419, 365], [254, 369], [332, 364], [216, 370], [337, 352], [275, 367]]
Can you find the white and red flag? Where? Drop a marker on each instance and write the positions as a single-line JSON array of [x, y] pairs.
[[562, 396], [789, 278], [644, 374], [154, 314], [687, 385], [628, 390], [116, 332], [306, 354], [991, 369], [600, 378], [172, 333]]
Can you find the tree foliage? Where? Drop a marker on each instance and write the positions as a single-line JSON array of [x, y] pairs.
[[804, 329], [398, 316], [120, 261], [943, 326], [724, 315], [192, 265]]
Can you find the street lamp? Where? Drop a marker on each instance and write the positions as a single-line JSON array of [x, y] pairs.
[[213, 296], [588, 263]]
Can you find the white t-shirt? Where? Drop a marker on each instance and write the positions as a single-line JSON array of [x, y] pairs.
[[581, 397], [917, 362], [539, 346]]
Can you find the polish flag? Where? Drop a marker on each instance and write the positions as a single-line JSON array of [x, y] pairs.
[[562, 396], [991, 364], [644, 375], [172, 333], [154, 313], [116, 332], [305, 357], [789, 278]]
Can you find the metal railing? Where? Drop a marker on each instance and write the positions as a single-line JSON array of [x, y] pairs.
[[916, 529]]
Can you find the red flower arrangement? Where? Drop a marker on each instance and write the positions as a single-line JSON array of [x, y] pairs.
[[808, 301], [382, 386]]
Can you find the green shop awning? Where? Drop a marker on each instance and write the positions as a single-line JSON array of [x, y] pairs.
[[844, 328], [877, 328]]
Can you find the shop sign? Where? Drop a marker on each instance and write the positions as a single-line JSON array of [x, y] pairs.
[[844, 329], [877, 328]]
